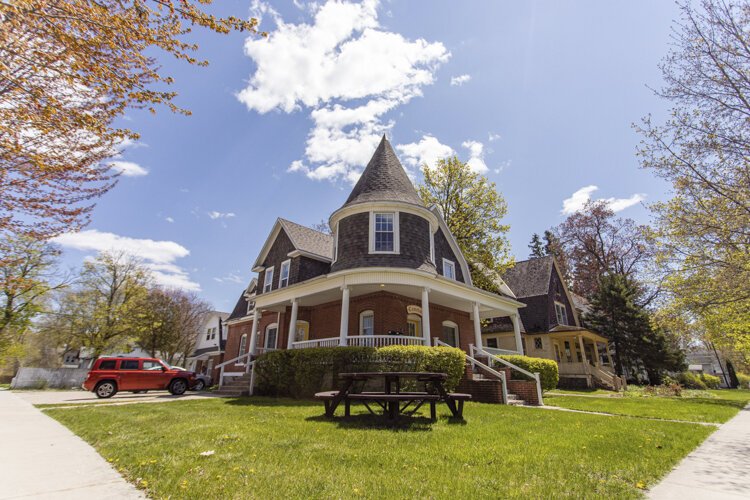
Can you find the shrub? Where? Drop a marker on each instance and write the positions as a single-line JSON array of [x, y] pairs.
[[546, 368], [691, 381], [301, 373], [711, 381], [744, 380]]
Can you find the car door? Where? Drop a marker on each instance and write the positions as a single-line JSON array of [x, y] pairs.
[[154, 375], [129, 371]]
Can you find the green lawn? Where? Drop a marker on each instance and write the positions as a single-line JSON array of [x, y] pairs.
[[720, 408], [283, 448]]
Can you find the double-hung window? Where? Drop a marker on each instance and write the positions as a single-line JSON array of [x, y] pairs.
[[561, 313], [449, 269], [284, 275], [268, 280], [384, 232], [367, 323]]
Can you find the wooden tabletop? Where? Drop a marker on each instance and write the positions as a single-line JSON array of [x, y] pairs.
[[438, 376]]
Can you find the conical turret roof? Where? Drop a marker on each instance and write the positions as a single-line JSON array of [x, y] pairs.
[[384, 179]]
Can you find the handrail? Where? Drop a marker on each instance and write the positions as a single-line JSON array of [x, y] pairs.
[[249, 367], [474, 362], [510, 365], [496, 351], [221, 365]]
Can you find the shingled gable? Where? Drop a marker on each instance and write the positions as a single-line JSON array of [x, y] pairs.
[[241, 307], [306, 241], [384, 179]]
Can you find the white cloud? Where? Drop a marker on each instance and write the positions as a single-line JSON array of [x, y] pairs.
[[169, 219], [230, 278], [494, 137], [128, 168], [220, 215], [347, 72], [428, 150], [579, 199], [158, 256], [457, 81], [476, 156]]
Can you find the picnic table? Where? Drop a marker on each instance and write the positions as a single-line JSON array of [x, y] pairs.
[[392, 397]]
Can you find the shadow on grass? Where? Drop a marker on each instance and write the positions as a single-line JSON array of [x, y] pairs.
[[370, 421]]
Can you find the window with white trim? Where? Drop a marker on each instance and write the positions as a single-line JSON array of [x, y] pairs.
[[450, 333], [268, 280], [367, 323], [561, 313], [384, 232], [271, 335], [284, 274], [449, 269], [208, 334]]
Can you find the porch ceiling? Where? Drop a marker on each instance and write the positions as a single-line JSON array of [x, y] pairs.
[[586, 334]]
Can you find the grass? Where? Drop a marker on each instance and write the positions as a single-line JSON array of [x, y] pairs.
[[717, 407], [286, 449], [5, 386]]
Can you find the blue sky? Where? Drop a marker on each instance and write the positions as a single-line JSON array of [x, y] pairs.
[[538, 96]]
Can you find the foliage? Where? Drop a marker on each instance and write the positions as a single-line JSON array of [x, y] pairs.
[[546, 368], [744, 380], [473, 210], [70, 68], [301, 373], [596, 243], [553, 247], [279, 448], [638, 344], [711, 381], [702, 150], [691, 380]]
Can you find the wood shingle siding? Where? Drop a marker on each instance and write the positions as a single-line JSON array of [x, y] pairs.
[[443, 251]]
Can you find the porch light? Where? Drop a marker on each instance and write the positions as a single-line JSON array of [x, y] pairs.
[[382, 285]]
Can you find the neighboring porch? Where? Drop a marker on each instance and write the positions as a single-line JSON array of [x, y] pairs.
[[583, 356]]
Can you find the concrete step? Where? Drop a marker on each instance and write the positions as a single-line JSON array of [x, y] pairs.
[[232, 393]]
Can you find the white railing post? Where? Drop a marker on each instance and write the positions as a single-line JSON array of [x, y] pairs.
[[538, 389], [426, 315], [477, 325], [221, 377], [252, 378], [505, 387], [254, 331]]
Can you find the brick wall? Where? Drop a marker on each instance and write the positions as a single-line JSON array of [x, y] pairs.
[[524, 389]]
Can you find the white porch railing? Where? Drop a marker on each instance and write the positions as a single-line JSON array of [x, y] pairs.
[[474, 363], [501, 352], [361, 341], [247, 367], [474, 350]]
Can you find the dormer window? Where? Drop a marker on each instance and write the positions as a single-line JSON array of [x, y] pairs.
[[284, 276], [268, 280], [561, 313], [384, 232], [449, 269]]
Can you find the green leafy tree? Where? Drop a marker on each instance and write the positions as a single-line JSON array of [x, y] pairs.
[[473, 209], [702, 150]]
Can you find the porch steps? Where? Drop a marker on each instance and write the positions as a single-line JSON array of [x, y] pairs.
[[236, 387], [486, 389]]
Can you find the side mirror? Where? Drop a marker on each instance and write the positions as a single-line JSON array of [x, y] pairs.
[[163, 368]]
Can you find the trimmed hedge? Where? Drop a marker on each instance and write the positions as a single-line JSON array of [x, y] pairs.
[[300, 373], [546, 368], [701, 381]]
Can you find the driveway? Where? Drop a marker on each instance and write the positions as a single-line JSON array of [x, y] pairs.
[[84, 397]]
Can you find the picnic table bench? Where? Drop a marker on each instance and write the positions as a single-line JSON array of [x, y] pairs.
[[391, 397]]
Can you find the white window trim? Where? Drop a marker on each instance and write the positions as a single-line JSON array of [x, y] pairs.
[[265, 336], [453, 265], [432, 244], [288, 264], [362, 316], [456, 335], [268, 284], [243, 346], [565, 313], [396, 239]]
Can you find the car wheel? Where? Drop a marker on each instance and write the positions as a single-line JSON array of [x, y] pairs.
[[199, 386], [178, 386], [105, 389]]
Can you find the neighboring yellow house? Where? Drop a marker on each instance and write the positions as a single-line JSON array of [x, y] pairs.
[[551, 327]]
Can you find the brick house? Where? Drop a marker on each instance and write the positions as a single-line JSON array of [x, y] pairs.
[[551, 327], [390, 273]]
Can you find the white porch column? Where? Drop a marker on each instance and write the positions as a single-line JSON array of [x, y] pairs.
[[609, 357], [292, 324], [344, 330], [254, 331], [426, 316], [596, 353], [517, 332], [583, 351], [477, 327]]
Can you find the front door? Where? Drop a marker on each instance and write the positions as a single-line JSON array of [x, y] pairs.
[[558, 356], [303, 331]]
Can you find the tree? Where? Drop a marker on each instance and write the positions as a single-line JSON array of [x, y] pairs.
[[638, 344], [26, 279], [596, 243], [101, 312], [703, 151], [536, 247], [69, 69], [473, 210]]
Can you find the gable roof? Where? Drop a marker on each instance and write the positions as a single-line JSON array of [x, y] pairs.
[[247, 295], [530, 278], [384, 179], [305, 240]]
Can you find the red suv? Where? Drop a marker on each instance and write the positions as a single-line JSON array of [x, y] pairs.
[[109, 375]]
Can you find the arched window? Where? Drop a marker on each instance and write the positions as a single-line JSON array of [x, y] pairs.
[[272, 331], [450, 333], [367, 323], [414, 325]]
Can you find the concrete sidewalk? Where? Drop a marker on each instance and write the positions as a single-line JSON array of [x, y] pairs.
[[717, 469], [41, 458]]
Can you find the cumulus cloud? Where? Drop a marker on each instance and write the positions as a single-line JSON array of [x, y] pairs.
[[476, 156], [158, 256], [128, 168], [457, 81], [169, 219], [494, 137], [579, 199], [220, 215], [347, 72], [428, 150]]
